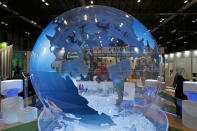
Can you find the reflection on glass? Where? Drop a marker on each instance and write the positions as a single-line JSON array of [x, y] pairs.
[[92, 74]]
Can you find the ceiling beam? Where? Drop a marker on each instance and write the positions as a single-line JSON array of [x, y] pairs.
[[185, 7], [144, 13], [15, 13], [179, 39], [177, 13]]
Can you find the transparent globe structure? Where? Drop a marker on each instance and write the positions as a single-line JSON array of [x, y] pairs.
[[98, 68]]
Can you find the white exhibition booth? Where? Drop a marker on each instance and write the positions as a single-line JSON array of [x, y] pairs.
[[186, 60], [189, 107]]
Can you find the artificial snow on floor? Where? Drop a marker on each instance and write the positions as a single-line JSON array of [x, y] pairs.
[[133, 122], [125, 119]]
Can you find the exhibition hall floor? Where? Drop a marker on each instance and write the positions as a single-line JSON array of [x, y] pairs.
[[174, 122]]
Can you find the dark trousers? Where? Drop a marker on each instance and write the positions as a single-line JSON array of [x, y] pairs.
[[178, 103]]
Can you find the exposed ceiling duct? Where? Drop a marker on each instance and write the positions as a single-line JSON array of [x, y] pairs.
[[174, 15], [15, 13]]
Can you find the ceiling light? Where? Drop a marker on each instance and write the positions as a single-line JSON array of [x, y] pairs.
[[4, 5], [27, 33], [96, 20], [85, 17], [65, 22], [168, 42], [127, 16], [187, 53], [87, 7], [195, 52], [2, 23], [121, 24], [47, 4], [185, 42], [138, 1], [193, 21], [178, 54], [92, 2], [43, 0], [6, 24], [136, 49], [0, 3], [171, 55], [173, 45], [166, 56], [180, 38], [52, 48], [185, 1], [33, 22], [161, 20], [173, 31], [160, 37], [87, 36]]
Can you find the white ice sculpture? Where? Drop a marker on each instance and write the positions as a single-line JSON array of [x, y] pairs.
[[28, 114], [10, 107], [151, 86], [9, 85], [12, 104], [151, 83], [189, 107]]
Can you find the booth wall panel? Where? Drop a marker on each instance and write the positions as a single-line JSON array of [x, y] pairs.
[[6, 62]]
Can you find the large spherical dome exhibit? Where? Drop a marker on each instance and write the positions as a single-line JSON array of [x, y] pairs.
[[97, 68]]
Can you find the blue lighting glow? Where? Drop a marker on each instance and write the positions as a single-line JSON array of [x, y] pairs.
[[12, 93], [192, 96]]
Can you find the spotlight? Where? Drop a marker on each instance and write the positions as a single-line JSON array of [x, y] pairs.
[[4, 5], [136, 49], [171, 55], [162, 20], [173, 31], [185, 1], [178, 54], [187, 53]]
